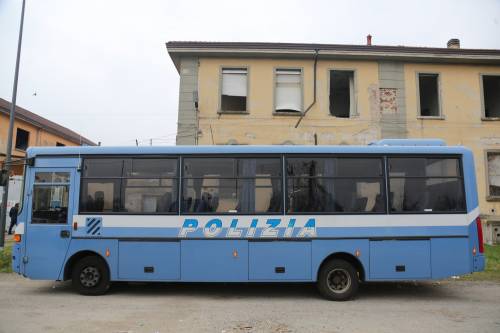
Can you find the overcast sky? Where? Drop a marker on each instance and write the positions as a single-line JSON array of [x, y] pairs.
[[100, 67]]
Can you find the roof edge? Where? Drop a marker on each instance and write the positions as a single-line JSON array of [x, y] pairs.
[[176, 49], [44, 123]]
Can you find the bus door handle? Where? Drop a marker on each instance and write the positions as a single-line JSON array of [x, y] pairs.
[[64, 233]]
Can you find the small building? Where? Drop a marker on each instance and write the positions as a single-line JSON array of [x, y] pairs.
[[308, 94], [31, 129]]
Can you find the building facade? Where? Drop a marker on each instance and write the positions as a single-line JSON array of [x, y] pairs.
[[323, 94], [32, 130]]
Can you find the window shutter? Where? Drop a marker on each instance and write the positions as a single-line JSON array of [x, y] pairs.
[[288, 90], [234, 82]]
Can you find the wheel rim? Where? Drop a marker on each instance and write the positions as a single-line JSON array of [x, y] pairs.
[[338, 280], [90, 276]]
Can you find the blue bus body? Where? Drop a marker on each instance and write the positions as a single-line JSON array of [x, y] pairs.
[[244, 248]]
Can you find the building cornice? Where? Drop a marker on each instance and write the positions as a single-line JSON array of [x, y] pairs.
[[177, 50]]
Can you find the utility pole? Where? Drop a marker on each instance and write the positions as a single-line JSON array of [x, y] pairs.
[[8, 157]]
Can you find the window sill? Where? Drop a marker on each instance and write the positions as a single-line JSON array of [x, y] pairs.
[[492, 198], [233, 112], [431, 117], [287, 114], [490, 118], [355, 116], [21, 150]]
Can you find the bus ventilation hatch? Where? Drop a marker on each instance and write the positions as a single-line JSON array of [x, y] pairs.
[[93, 225]]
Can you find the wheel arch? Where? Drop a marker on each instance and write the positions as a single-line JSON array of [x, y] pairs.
[[75, 257], [347, 257]]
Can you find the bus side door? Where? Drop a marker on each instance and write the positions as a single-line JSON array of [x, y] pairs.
[[48, 225]]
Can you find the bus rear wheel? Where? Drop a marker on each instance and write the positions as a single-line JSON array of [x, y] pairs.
[[338, 280], [90, 276]]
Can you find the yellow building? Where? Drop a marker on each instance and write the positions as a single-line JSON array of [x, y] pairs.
[[32, 130], [275, 93]]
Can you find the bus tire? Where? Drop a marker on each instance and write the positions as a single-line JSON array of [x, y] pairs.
[[338, 280], [90, 276]]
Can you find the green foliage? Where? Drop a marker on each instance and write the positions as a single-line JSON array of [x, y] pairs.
[[492, 270], [6, 258]]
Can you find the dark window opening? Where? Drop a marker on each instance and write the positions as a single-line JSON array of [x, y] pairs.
[[22, 139], [425, 185], [429, 95], [234, 89], [491, 91], [342, 94], [58, 144]]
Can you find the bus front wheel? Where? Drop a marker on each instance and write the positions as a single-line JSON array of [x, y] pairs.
[[90, 276], [338, 280]]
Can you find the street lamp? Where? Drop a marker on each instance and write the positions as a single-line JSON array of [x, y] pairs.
[[3, 215]]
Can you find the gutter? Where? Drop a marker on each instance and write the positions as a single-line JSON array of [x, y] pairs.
[[316, 53]]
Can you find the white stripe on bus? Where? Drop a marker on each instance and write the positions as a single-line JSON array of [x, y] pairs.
[[322, 221]]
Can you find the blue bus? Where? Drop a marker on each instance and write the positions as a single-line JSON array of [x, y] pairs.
[[394, 210]]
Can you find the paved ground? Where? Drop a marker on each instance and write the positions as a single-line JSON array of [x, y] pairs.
[[452, 306]]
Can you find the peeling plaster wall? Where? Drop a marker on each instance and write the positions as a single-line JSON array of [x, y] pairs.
[[393, 115], [260, 126], [460, 93]]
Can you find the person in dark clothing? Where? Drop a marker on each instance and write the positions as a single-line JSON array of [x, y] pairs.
[[13, 217]]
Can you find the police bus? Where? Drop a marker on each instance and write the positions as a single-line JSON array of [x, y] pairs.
[[334, 215]]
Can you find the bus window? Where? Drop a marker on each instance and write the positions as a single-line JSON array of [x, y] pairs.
[[329, 185], [150, 195], [50, 197], [419, 184], [138, 186], [232, 185], [100, 195]]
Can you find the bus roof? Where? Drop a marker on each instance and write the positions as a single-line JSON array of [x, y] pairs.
[[240, 149]]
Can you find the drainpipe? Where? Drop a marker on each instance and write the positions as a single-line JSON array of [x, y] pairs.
[[316, 52]]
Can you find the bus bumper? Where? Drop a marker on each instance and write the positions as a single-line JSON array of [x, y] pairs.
[[479, 263]]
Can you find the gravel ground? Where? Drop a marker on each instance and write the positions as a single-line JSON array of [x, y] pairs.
[[450, 306]]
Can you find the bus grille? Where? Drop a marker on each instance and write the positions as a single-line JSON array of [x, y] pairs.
[[93, 225]]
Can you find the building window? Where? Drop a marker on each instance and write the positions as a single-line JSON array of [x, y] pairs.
[[231, 185], [22, 139], [58, 144], [493, 161], [428, 88], [342, 102], [335, 185], [234, 90], [288, 93], [425, 185], [491, 96]]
